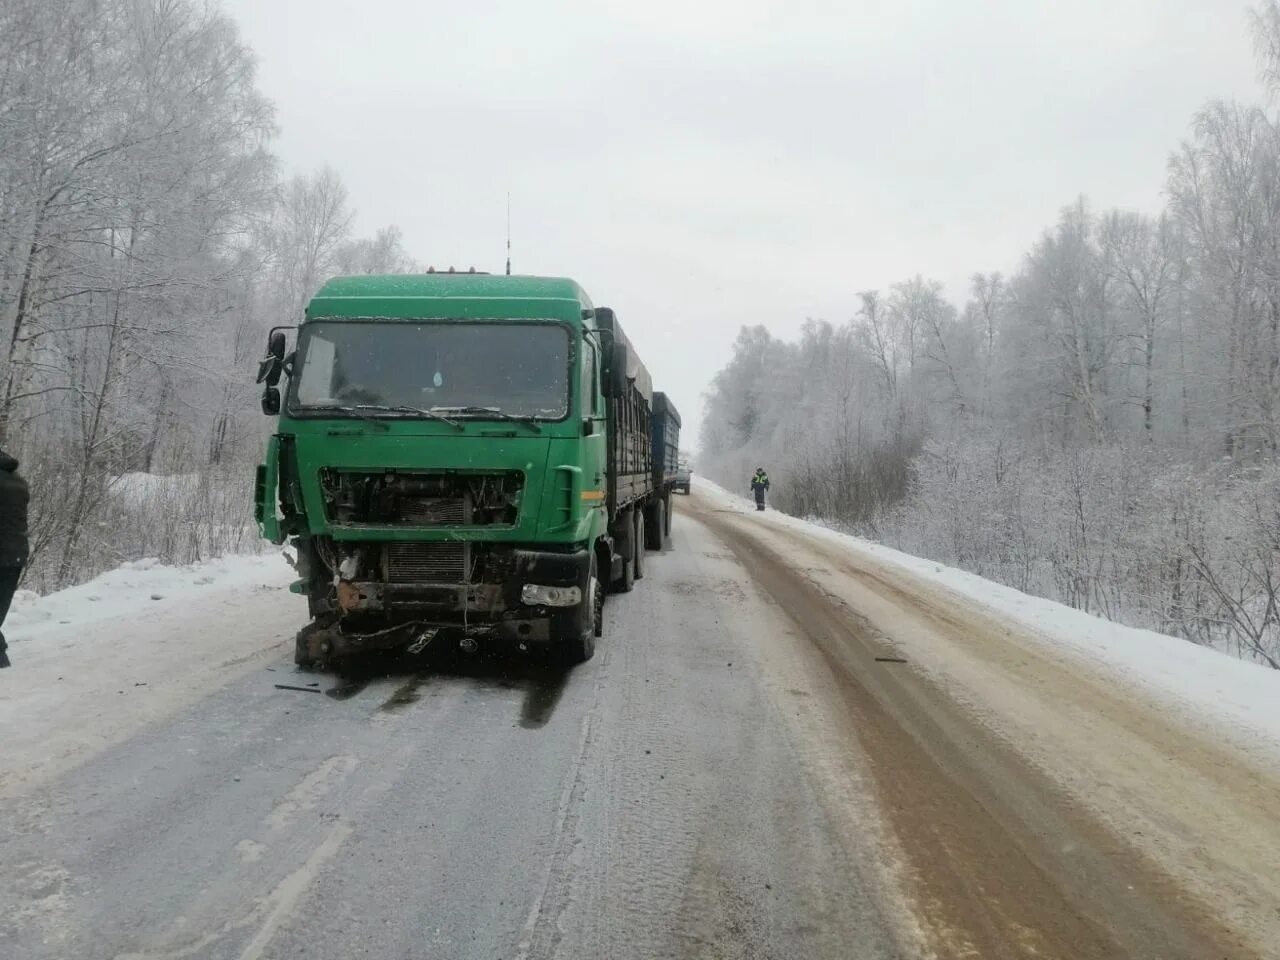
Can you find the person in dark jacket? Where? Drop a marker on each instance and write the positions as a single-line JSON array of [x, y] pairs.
[[13, 537], [759, 484]]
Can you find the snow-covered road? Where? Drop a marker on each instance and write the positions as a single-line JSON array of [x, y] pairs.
[[100, 662], [789, 744], [1170, 750]]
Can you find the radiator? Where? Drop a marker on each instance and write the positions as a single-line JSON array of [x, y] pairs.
[[437, 562]]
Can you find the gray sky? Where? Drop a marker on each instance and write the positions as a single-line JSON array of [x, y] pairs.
[[701, 165]]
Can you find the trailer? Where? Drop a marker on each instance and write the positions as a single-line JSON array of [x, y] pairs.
[[666, 461]]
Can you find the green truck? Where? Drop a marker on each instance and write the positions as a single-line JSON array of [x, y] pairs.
[[461, 458]]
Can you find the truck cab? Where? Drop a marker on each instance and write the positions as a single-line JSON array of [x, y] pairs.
[[441, 463]]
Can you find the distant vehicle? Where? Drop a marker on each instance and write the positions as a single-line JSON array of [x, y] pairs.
[[470, 456], [684, 475]]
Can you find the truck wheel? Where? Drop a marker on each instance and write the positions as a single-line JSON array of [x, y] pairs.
[[627, 542], [582, 648], [637, 540], [654, 522], [666, 518], [597, 613]]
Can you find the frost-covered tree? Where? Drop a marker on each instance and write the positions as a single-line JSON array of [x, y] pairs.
[[1100, 426], [146, 246]]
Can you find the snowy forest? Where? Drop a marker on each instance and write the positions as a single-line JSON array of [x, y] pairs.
[[1100, 426], [148, 241]]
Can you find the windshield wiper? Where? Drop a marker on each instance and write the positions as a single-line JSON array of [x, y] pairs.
[[419, 411], [350, 411], [495, 413]]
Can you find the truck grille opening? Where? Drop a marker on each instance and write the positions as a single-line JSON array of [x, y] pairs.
[[396, 498], [439, 562]]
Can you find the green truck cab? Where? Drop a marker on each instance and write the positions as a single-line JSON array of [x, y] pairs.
[[474, 457]]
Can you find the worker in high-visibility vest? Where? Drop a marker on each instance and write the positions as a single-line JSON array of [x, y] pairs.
[[759, 484]]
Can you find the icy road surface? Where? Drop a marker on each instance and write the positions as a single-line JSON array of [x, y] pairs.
[[785, 747]]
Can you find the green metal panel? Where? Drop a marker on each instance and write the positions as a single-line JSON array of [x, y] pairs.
[[430, 285], [265, 493], [442, 296]]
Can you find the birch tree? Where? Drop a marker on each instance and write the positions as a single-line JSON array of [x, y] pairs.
[[1100, 426], [146, 244]]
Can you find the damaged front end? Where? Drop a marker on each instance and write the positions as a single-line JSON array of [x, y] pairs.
[[381, 592]]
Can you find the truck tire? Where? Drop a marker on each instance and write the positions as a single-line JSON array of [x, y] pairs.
[[627, 548], [637, 540], [666, 518], [581, 648], [654, 524]]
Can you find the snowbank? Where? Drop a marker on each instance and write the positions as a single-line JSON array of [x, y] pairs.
[[96, 663], [133, 588], [1199, 681]]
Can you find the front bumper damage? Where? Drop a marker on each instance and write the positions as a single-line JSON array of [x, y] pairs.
[[368, 614]]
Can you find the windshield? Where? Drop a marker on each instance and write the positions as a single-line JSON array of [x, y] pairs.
[[464, 369]]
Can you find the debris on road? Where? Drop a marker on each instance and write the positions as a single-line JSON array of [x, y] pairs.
[[287, 686]]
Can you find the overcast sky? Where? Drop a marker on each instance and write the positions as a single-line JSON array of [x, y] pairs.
[[700, 165]]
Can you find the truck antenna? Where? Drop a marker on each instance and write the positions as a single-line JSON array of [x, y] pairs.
[[508, 233]]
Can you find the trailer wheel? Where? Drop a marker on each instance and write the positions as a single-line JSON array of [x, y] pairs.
[[666, 518], [655, 524], [637, 544]]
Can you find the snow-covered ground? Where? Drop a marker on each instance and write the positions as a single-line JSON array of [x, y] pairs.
[[1173, 749], [1197, 681], [95, 662], [131, 632], [131, 587]]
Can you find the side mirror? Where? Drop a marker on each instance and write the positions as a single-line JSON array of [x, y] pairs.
[[269, 369], [272, 365], [617, 383]]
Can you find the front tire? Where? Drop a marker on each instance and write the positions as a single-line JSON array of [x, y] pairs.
[[580, 649]]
